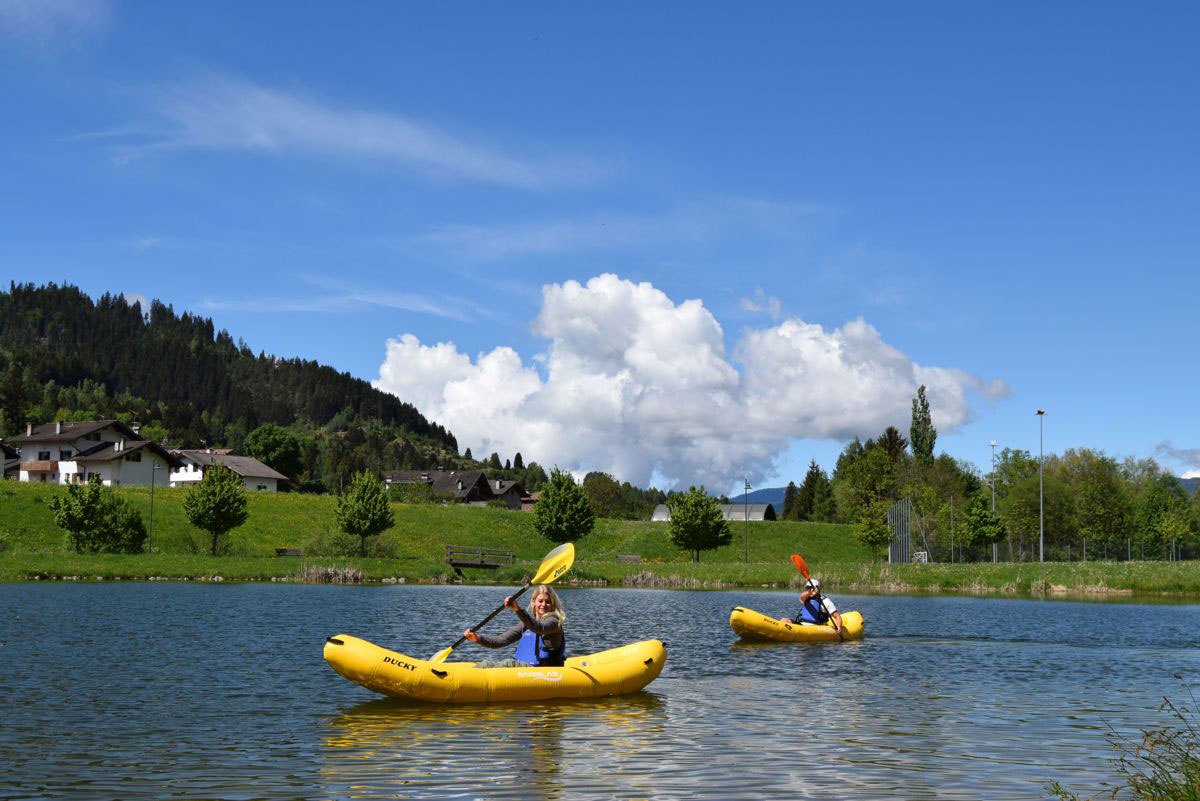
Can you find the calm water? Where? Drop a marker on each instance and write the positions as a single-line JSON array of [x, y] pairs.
[[219, 691]]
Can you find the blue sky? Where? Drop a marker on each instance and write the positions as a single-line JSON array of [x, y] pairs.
[[678, 242]]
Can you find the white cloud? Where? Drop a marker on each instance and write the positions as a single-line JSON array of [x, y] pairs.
[[231, 115], [42, 22], [762, 303], [137, 297], [640, 386], [699, 223], [1189, 457]]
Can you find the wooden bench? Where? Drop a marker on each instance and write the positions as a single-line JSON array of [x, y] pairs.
[[470, 556], [628, 557], [288, 552]]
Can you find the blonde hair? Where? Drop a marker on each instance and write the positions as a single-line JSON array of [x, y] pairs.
[[556, 607]]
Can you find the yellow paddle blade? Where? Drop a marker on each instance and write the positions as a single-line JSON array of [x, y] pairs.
[[441, 655], [556, 563], [798, 561]]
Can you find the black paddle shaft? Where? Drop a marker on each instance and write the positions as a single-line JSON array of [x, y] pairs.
[[488, 619]]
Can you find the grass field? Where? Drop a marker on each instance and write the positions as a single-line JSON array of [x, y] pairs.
[[413, 549]]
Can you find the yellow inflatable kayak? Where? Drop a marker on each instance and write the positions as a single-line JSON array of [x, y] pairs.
[[755, 626], [618, 671]]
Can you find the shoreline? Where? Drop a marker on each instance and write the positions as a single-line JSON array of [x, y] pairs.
[[645, 579]]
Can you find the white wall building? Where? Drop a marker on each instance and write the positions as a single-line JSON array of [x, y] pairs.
[[72, 452], [255, 475]]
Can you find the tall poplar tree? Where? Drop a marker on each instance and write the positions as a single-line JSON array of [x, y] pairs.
[[922, 434]]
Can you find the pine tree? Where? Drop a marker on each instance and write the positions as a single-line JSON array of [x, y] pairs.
[[518, 463], [789, 501], [806, 499]]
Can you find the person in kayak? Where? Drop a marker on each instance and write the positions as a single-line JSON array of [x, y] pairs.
[[817, 609], [539, 636]]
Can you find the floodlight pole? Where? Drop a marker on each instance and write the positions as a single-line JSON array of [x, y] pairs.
[[995, 545], [746, 514], [1041, 415]]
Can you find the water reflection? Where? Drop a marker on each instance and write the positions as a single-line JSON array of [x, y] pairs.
[[542, 751]]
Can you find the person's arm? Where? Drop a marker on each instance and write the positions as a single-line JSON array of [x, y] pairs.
[[547, 625], [487, 641], [834, 614]]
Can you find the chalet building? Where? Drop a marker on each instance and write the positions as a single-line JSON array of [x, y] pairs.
[[72, 452], [255, 475], [510, 492], [464, 486], [730, 511], [10, 461]]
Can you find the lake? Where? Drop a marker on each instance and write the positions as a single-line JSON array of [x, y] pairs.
[[207, 690]]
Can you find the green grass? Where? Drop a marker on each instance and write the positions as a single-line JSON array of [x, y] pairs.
[[413, 550]]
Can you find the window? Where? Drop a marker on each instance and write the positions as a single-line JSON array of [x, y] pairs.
[[261, 486], [43, 456], [94, 436], [133, 457], [64, 454]]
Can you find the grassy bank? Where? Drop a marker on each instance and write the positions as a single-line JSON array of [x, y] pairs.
[[412, 551]]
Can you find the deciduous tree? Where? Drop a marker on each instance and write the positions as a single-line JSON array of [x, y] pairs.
[[97, 520], [871, 529], [276, 447], [563, 514], [363, 510], [922, 435], [696, 522], [217, 504]]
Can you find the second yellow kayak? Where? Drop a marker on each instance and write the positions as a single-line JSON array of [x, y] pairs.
[[757, 627]]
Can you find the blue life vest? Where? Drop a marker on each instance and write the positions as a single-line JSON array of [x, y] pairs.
[[531, 651], [813, 611]]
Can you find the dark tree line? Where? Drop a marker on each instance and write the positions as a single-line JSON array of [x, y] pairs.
[[65, 356]]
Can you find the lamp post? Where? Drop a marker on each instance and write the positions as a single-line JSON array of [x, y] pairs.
[[1041, 415], [150, 537], [995, 545], [746, 514]]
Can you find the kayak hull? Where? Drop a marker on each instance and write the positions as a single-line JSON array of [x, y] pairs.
[[757, 627], [618, 671]]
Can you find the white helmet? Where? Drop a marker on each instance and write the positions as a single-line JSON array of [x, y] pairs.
[[813, 584]]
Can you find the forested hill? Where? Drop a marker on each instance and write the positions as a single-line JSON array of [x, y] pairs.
[[197, 385]]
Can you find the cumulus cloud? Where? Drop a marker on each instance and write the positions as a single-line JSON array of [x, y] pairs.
[[222, 114], [640, 386]]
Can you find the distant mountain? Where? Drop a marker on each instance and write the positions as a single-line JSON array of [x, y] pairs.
[[1190, 484], [771, 495]]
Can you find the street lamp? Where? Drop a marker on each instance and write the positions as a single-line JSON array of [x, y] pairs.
[[1041, 414], [995, 545], [150, 537], [746, 514]]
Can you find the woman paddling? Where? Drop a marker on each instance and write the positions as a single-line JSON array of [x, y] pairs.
[[542, 642]]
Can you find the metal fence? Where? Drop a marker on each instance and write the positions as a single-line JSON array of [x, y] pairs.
[[899, 518]]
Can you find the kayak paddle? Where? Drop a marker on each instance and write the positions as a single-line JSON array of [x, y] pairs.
[[556, 563], [802, 566]]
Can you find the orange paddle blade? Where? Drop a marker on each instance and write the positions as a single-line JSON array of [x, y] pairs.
[[798, 561]]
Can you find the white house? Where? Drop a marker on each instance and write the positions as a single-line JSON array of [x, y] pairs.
[[72, 452], [255, 475]]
